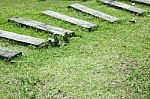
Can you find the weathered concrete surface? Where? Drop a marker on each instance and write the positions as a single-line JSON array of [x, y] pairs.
[[21, 38], [69, 19], [94, 12], [9, 54], [41, 26], [142, 1], [123, 6]]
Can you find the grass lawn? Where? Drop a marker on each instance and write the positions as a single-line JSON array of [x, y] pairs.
[[111, 62]]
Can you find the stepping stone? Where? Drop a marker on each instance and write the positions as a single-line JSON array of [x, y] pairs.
[[123, 6], [41, 26], [94, 12], [21, 38], [9, 54], [72, 20], [142, 1]]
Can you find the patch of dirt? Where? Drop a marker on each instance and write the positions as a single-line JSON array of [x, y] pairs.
[[60, 95], [127, 65], [98, 74], [115, 83]]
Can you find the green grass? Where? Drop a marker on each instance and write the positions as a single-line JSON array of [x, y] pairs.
[[111, 62]]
